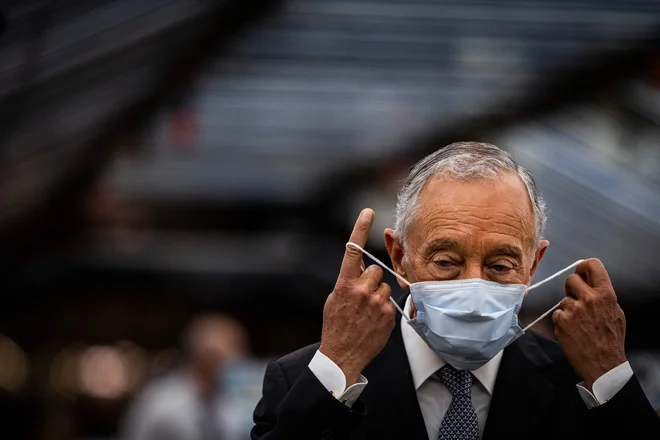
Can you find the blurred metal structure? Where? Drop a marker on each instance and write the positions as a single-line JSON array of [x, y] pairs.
[[327, 86], [303, 111], [75, 78], [66, 69]]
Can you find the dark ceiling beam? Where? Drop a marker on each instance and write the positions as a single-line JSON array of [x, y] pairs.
[[212, 216], [60, 215]]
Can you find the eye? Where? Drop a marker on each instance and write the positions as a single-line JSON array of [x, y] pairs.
[[500, 268], [444, 264]]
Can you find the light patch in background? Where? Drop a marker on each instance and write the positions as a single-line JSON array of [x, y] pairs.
[[104, 372], [504, 62], [100, 371], [137, 361], [14, 365]]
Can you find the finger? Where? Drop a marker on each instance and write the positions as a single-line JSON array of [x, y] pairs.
[[557, 322], [389, 308], [594, 273], [568, 304], [555, 315], [350, 266], [372, 277], [384, 291], [559, 317], [577, 287]]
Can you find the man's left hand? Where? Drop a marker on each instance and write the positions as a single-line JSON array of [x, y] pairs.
[[589, 324]]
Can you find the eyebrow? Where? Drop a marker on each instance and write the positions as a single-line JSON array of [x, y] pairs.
[[444, 243], [508, 250]]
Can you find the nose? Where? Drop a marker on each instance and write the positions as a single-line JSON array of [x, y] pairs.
[[472, 269]]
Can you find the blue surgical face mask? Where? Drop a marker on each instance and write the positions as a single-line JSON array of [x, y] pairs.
[[467, 322]]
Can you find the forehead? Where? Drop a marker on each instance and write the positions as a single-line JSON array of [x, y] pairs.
[[480, 210]]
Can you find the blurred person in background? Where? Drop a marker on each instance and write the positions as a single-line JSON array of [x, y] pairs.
[[457, 365], [183, 405]]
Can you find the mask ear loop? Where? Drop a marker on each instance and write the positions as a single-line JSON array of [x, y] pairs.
[[356, 246], [552, 309]]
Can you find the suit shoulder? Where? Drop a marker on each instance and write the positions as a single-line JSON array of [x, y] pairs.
[[294, 363], [550, 346], [302, 355]]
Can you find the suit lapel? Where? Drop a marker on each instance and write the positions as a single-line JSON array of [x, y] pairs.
[[391, 398], [523, 391]]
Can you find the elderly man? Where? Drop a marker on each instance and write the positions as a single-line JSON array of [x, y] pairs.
[[455, 364]]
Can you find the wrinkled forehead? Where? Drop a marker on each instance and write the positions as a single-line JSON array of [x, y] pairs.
[[496, 210]]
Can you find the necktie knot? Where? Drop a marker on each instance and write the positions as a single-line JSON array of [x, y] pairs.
[[458, 382]]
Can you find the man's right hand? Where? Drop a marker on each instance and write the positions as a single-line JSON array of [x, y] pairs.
[[358, 316]]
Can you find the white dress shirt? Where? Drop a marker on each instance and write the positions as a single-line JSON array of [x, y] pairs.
[[434, 398], [170, 408]]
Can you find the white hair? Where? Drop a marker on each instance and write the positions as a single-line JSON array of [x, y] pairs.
[[463, 161]]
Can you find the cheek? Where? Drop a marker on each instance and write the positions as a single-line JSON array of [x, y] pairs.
[[519, 275], [412, 270], [526, 271], [524, 278], [419, 270]]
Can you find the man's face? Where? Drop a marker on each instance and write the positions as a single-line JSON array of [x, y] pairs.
[[470, 229]]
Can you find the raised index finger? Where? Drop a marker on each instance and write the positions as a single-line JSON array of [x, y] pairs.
[[351, 265], [594, 273]]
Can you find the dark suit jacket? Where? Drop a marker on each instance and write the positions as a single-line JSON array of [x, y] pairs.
[[535, 398]]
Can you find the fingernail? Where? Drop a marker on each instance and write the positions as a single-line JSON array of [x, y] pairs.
[[367, 215]]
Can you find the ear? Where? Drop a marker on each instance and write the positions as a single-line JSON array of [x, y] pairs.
[[540, 252], [395, 250]]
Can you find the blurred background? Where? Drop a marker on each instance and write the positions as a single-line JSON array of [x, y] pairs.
[[178, 179]]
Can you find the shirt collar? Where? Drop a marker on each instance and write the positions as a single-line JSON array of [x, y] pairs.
[[424, 362]]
